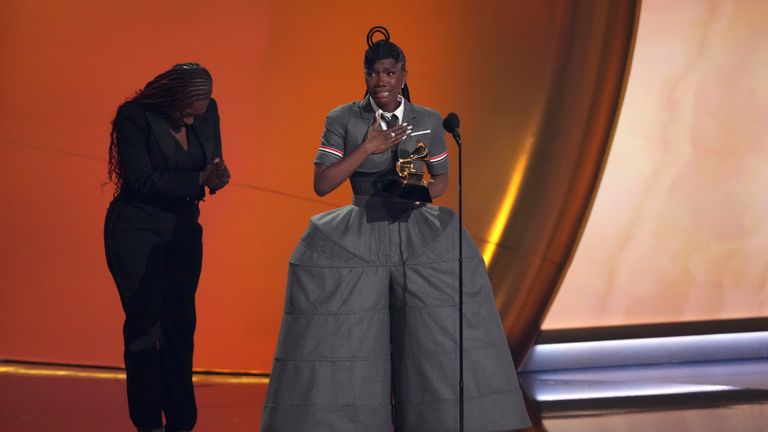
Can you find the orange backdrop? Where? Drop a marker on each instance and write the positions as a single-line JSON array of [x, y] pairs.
[[278, 68]]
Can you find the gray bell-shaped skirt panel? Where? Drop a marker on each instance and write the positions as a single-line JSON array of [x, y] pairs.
[[369, 337]]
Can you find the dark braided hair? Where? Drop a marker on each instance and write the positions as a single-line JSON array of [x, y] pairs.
[[171, 91], [384, 49]]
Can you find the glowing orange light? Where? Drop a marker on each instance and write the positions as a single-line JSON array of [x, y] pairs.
[[508, 203], [69, 372]]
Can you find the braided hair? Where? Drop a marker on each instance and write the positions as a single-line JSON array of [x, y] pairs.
[[171, 91], [384, 49]]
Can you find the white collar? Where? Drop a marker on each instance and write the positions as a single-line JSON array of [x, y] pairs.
[[398, 112]]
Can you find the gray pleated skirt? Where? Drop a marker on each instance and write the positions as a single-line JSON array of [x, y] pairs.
[[369, 338]]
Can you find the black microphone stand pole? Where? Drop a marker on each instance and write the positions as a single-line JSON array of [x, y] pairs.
[[451, 125], [457, 137]]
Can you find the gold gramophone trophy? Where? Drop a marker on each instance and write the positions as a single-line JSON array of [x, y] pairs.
[[412, 186]]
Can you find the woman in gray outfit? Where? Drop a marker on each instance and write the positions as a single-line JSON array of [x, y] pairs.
[[369, 338]]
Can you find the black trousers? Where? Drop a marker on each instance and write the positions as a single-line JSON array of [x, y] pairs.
[[157, 281]]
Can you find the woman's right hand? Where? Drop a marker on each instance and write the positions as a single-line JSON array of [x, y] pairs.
[[215, 175], [378, 140]]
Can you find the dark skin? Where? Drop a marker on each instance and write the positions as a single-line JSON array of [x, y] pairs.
[[216, 175], [383, 81]]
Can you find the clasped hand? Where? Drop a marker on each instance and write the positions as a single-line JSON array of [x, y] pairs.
[[215, 176]]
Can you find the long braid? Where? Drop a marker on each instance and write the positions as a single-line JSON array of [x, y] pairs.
[[170, 91], [406, 93], [114, 175], [384, 49]]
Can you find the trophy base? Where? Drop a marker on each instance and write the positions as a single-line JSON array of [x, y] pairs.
[[409, 192]]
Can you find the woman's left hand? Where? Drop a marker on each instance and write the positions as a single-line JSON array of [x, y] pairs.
[[218, 175]]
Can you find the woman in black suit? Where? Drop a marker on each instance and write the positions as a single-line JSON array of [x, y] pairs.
[[165, 150]]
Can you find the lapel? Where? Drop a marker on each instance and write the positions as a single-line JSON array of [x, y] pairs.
[[162, 131], [410, 117], [206, 142], [366, 110], [409, 114]]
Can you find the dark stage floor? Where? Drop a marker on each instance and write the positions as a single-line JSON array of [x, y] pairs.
[[701, 397]]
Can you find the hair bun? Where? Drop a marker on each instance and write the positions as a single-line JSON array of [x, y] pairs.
[[373, 31]]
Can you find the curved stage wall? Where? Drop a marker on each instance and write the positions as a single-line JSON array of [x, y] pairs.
[[679, 228], [540, 79], [554, 168]]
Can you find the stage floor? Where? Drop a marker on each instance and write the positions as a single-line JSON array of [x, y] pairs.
[[701, 397]]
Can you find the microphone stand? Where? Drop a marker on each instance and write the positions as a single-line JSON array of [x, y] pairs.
[[457, 138], [451, 125]]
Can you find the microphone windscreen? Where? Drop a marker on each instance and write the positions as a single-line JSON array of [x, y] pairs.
[[451, 123]]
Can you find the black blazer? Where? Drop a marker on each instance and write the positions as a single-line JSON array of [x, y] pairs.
[[154, 194]]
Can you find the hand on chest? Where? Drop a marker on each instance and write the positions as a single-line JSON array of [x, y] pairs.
[[356, 133]]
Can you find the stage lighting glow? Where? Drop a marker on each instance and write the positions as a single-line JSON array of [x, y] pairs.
[[117, 374], [559, 392], [508, 203], [646, 351]]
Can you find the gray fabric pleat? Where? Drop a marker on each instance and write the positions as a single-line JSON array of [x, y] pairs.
[[370, 330]]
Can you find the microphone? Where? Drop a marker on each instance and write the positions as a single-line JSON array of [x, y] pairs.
[[451, 125]]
